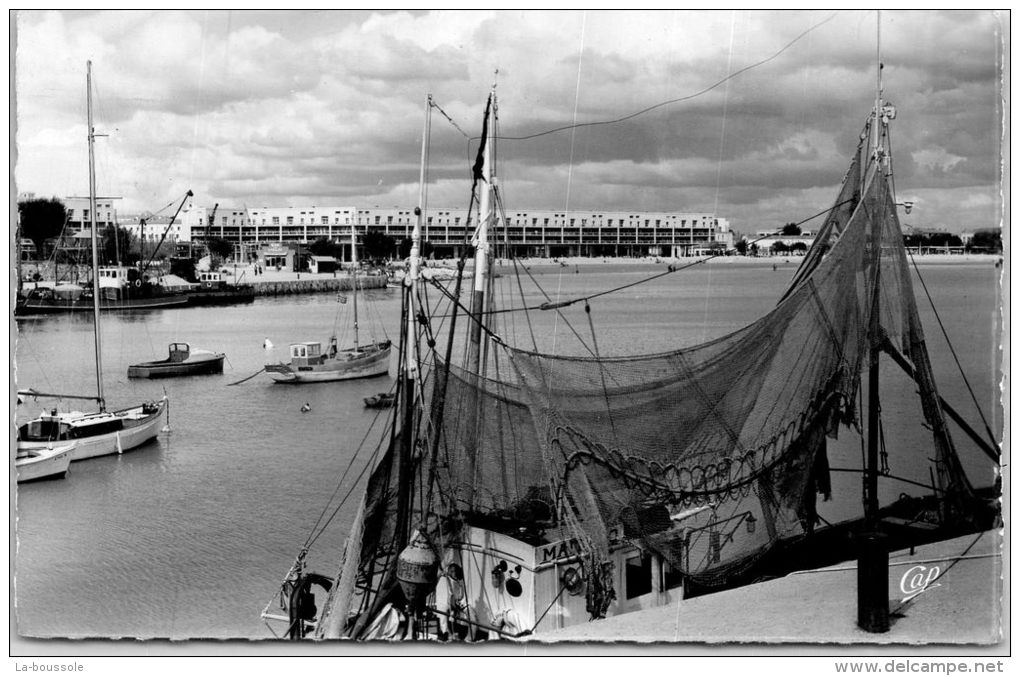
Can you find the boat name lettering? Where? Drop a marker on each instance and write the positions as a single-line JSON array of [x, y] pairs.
[[561, 550]]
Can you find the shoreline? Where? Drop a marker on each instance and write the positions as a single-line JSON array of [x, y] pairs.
[[763, 261], [246, 274]]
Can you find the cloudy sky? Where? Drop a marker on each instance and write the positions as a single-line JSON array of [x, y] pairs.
[[260, 108]]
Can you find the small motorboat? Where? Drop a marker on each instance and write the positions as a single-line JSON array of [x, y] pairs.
[[43, 463], [381, 400], [183, 361]]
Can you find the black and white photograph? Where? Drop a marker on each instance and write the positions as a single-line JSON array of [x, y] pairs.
[[510, 332]]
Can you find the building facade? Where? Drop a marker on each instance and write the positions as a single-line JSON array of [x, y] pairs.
[[79, 217], [448, 231]]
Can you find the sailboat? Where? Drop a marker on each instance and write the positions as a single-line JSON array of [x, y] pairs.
[[309, 363], [525, 491], [101, 432]]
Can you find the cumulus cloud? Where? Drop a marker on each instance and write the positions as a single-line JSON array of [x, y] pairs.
[[273, 108]]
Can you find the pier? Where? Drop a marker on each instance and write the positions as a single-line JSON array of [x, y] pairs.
[[315, 284]]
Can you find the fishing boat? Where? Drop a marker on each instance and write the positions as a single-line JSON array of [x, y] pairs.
[[524, 491], [213, 289], [120, 288], [309, 363], [101, 432], [43, 463], [183, 361]]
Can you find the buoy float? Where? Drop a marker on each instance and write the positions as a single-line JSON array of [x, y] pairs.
[[306, 408], [417, 568]]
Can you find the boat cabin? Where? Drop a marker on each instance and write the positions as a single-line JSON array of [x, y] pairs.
[[54, 427], [540, 585], [211, 279], [305, 354], [113, 275], [179, 352]]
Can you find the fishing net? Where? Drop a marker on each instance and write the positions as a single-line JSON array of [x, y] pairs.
[[708, 455]]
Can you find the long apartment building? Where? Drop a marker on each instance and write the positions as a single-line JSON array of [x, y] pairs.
[[526, 233]]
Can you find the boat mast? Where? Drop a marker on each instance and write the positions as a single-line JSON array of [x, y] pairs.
[[871, 471], [410, 357], [873, 555], [474, 362], [354, 282], [95, 243], [482, 243]]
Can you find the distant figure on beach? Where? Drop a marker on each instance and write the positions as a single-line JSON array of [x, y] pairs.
[[306, 408], [773, 267]]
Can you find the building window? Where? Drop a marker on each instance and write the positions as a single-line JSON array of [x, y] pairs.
[[325, 220], [377, 220], [276, 220], [290, 220]]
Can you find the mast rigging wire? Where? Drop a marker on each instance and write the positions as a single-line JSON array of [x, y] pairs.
[[681, 99]]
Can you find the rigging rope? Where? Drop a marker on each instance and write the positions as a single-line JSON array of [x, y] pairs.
[[676, 100], [955, 561], [952, 351]]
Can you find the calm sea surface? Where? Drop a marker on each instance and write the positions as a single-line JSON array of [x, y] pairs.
[[190, 536]]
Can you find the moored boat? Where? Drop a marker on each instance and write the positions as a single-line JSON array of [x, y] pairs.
[[381, 400], [183, 361], [102, 432], [95, 434], [310, 364], [213, 289], [52, 462]]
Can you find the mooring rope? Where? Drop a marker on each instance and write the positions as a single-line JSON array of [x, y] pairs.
[[244, 380]]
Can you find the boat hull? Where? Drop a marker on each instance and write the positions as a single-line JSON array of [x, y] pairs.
[[176, 370], [230, 296], [375, 363], [46, 463], [138, 428], [60, 305]]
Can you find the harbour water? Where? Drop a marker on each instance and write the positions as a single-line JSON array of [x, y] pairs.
[[190, 536]]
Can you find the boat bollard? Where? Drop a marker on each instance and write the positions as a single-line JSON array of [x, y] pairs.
[[873, 583]]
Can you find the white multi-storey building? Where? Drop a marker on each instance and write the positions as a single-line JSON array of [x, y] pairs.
[[527, 233], [78, 216]]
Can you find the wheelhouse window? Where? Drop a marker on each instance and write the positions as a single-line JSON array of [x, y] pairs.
[[638, 576]]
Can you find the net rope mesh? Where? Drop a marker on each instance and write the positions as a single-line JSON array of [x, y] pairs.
[[708, 454]]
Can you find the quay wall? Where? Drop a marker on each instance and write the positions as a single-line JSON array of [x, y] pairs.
[[315, 285]]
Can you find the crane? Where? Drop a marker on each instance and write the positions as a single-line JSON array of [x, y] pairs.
[[212, 219]]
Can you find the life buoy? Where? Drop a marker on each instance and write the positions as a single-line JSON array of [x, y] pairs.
[[138, 283], [301, 602]]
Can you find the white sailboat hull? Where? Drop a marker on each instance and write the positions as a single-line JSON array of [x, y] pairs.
[[371, 363], [45, 463], [138, 428]]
